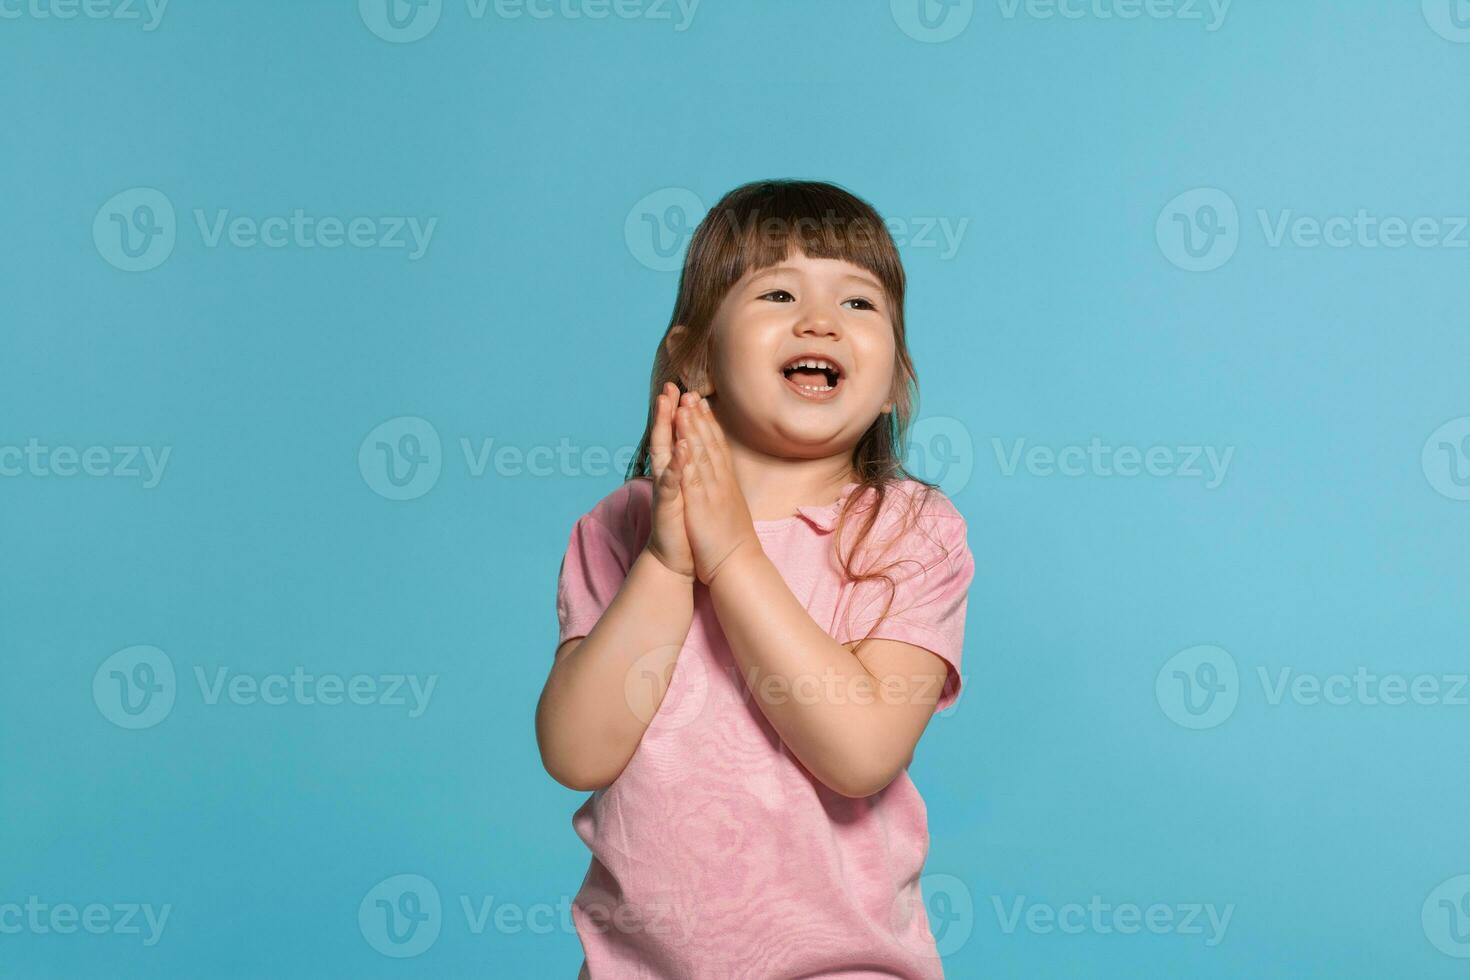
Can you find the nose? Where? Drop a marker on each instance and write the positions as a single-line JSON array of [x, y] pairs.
[[818, 323]]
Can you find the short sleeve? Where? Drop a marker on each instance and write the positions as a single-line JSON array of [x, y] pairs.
[[592, 572], [932, 569]]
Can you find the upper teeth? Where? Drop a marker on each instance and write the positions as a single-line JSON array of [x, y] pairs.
[[817, 363]]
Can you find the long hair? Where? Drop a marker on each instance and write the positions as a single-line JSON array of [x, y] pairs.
[[753, 227]]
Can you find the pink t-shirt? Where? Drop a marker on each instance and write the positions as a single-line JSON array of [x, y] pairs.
[[715, 854]]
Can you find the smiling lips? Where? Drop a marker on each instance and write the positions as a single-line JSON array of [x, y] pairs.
[[813, 376]]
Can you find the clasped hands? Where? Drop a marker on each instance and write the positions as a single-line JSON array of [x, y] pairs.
[[700, 517]]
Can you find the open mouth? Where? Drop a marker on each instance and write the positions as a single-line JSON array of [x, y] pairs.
[[815, 377]]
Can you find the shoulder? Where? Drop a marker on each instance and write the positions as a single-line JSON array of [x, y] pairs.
[[625, 514], [907, 503], [931, 501], [916, 521]]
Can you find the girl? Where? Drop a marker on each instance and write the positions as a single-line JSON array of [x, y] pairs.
[[758, 625]]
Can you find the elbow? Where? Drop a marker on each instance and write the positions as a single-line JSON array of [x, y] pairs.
[[568, 766], [573, 770], [860, 783], [573, 779]]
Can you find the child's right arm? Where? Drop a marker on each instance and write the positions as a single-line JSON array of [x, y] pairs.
[[606, 686]]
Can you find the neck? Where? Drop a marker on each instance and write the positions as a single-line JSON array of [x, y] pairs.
[[774, 487]]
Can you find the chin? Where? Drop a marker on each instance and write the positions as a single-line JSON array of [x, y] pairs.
[[810, 436]]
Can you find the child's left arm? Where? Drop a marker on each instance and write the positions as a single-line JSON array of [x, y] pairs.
[[852, 719]]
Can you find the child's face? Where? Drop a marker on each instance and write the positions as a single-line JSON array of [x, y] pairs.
[[829, 308]]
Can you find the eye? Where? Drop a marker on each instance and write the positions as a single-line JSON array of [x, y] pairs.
[[867, 304], [776, 292]]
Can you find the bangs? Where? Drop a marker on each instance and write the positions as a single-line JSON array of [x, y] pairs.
[[758, 226]]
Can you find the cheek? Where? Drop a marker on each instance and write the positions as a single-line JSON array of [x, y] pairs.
[[746, 352], [732, 365], [880, 360]]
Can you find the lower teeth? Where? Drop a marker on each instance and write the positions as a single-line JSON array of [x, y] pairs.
[[818, 389]]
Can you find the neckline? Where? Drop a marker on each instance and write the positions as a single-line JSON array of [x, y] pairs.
[[820, 514]]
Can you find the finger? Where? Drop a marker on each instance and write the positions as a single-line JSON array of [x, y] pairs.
[[715, 448], [688, 431], [659, 448], [688, 474], [716, 428], [683, 422], [699, 457], [671, 477]]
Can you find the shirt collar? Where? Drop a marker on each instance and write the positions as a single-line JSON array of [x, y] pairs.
[[824, 516]]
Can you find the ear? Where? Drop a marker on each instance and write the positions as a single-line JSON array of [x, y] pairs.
[[690, 382]]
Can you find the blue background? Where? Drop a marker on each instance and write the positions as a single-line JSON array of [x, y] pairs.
[[532, 318]]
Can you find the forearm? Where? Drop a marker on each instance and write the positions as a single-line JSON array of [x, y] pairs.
[[600, 697], [826, 706]]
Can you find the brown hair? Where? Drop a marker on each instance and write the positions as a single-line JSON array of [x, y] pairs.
[[753, 227]]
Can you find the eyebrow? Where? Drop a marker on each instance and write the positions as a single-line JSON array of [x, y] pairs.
[[847, 277]]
